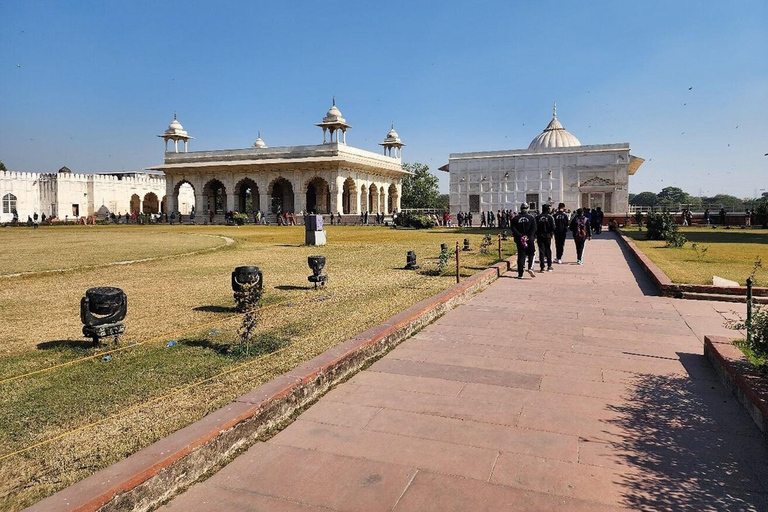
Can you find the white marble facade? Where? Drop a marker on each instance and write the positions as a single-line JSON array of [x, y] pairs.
[[331, 177], [67, 195], [555, 168]]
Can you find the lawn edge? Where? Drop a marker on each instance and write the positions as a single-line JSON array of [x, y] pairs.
[[738, 375], [668, 288], [155, 473]]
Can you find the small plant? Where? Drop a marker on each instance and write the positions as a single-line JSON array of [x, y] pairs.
[[240, 219], [759, 345], [758, 265], [660, 226], [701, 251], [250, 306], [486, 243]]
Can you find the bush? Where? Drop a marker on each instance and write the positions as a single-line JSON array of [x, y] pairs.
[[415, 220], [240, 218], [761, 213], [759, 330], [660, 226]]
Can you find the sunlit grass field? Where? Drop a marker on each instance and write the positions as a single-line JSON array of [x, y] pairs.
[[76, 415], [730, 253]]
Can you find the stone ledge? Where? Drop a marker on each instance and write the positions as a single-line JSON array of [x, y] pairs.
[[669, 289], [740, 377], [154, 474]]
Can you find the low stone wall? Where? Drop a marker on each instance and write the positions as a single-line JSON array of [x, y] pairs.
[[154, 474], [669, 289], [740, 377]]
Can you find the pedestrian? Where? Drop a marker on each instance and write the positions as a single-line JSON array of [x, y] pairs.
[[599, 216], [545, 228], [562, 221], [722, 216], [332, 218], [581, 233], [747, 218], [35, 220], [365, 220], [707, 217], [523, 231]]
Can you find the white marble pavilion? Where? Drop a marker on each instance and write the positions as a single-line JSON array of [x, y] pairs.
[[556, 167], [325, 178]]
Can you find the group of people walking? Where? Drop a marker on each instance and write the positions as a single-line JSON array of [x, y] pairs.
[[529, 231]]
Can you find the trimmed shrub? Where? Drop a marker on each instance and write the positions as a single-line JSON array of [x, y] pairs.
[[416, 221]]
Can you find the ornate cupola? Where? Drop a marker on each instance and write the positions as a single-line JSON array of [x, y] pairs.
[[175, 132], [259, 143], [392, 144], [334, 123]]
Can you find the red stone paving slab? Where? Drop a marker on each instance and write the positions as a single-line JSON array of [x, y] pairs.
[[449, 407], [471, 433], [311, 477], [458, 373], [425, 385], [564, 385], [570, 480], [431, 492], [626, 363], [340, 413], [454, 459], [478, 349], [604, 332], [207, 499]]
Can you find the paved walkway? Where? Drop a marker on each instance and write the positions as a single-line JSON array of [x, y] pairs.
[[576, 390]]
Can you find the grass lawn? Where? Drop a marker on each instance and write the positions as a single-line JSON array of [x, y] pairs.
[[87, 409], [731, 254]]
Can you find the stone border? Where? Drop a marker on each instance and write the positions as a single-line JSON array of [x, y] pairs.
[[670, 289], [154, 474], [738, 375]]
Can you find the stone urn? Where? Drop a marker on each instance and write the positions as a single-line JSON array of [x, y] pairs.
[[102, 311], [317, 264], [410, 261], [246, 280], [466, 245]]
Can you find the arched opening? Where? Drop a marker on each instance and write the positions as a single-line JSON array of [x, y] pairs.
[[9, 203], [363, 199], [185, 198], [215, 196], [151, 204], [348, 197], [247, 193], [392, 199], [135, 204], [318, 196], [373, 198], [281, 194]]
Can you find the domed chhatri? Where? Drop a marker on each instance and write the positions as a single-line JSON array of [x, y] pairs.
[[334, 123], [554, 136], [175, 132], [392, 143], [259, 143]]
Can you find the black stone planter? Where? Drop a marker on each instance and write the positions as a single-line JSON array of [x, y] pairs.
[[245, 280], [317, 264], [102, 311]]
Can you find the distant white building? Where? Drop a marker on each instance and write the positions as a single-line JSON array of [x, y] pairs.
[[325, 178], [68, 195], [554, 168]]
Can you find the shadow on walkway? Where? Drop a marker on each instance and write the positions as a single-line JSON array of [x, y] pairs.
[[641, 278]]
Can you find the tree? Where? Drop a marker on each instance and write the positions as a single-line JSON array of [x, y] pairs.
[[725, 200], [673, 195], [2, 166], [645, 199], [420, 190]]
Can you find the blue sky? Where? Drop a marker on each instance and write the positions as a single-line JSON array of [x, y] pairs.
[[89, 84]]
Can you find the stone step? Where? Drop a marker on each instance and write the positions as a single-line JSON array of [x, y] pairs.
[[720, 297]]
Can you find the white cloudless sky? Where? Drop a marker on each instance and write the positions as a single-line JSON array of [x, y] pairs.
[[89, 84]]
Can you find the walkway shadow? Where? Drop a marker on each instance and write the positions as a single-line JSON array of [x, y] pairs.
[[641, 278], [291, 287], [216, 309], [77, 344], [687, 445]]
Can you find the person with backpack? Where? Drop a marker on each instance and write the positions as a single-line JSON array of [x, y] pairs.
[[523, 231], [597, 218], [582, 232], [545, 228], [562, 221]]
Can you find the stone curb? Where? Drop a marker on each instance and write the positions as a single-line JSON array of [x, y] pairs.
[[669, 289], [154, 474], [740, 377]]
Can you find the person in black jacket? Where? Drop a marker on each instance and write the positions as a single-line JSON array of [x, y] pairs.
[[545, 228], [582, 231], [523, 231], [562, 220]]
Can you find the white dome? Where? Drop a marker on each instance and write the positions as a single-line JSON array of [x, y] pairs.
[[334, 115], [175, 128], [259, 143], [554, 136]]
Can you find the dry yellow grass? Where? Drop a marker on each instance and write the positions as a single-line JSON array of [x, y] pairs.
[[143, 393]]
